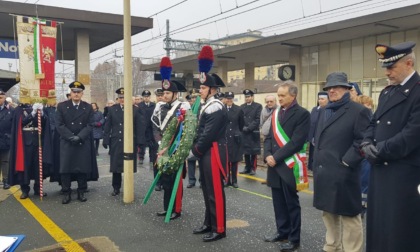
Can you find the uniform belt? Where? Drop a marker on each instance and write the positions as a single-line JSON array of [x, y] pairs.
[[30, 129]]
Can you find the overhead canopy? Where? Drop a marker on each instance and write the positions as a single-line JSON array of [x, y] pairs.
[[7, 80], [275, 49], [104, 28]]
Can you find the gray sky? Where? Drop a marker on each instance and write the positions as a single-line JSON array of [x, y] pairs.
[[283, 15]]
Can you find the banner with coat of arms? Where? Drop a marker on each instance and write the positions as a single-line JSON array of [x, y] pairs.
[[37, 50]]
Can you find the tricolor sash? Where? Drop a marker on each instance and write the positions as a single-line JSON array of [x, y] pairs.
[[297, 161]]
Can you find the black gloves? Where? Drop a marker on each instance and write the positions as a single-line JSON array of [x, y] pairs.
[[369, 151], [75, 139], [105, 145]]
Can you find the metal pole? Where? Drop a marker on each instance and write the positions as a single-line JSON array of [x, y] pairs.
[[168, 43], [128, 109]]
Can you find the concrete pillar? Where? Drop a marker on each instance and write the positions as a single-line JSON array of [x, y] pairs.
[[222, 70], [82, 61], [295, 59], [189, 80], [250, 75]]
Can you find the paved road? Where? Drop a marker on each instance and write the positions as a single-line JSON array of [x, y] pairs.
[[135, 227]]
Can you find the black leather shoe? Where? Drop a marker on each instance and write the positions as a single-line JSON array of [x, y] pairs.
[[6, 186], [275, 238], [251, 172], [162, 213], [244, 172], [115, 192], [289, 246], [213, 237], [66, 198], [175, 216], [43, 194], [158, 188], [81, 196], [190, 185], [24, 195], [202, 230]]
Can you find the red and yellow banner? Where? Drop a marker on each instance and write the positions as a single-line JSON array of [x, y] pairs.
[[37, 50]]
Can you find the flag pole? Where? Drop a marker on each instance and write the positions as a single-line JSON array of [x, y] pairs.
[[41, 177], [128, 109]]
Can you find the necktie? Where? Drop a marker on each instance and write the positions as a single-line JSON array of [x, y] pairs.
[[76, 106]]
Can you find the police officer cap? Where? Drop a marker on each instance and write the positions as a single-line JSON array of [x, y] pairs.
[[248, 92], [173, 86], [158, 92], [146, 93], [2, 92], [229, 95], [389, 55], [76, 86], [322, 94], [120, 92], [219, 95], [337, 79]]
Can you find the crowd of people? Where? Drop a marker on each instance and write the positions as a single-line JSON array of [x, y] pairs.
[[363, 162]]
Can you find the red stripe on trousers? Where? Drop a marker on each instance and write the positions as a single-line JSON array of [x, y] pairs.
[[20, 167], [217, 187], [178, 199]]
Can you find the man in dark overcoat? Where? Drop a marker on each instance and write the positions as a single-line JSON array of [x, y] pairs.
[[211, 147], [24, 148], [146, 108], [251, 132], [114, 138], [6, 117], [74, 119], [336, 167], [234, 138], [392, 144], [294, 121]]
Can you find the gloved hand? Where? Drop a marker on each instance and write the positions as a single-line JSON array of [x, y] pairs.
[[105, 145], [245, 129], [369, 151], [191, 155], [74, 139], [35, 108]]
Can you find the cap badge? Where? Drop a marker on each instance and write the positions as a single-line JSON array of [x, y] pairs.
[[381, 50], [166, 84], [202, 77]]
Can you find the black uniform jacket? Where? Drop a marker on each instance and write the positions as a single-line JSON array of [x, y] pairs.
[[234, 133], [81, 157], [394, 196], [251, 136], [114, 136], [296, 126]]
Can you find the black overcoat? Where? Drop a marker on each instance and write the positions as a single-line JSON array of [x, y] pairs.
[[296, 126], [6, 117], [81, 157], [336, 186], [394, 189], [234, 133], [251, 136], [114, 137]]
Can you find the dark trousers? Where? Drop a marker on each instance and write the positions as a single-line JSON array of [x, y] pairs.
[[191, 171], [66, 181], [116, 180], [287, 212], [250, 162], [233, 173], [153, 148], [214, 194], [25, 186], [97, 145], [168, 182]]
